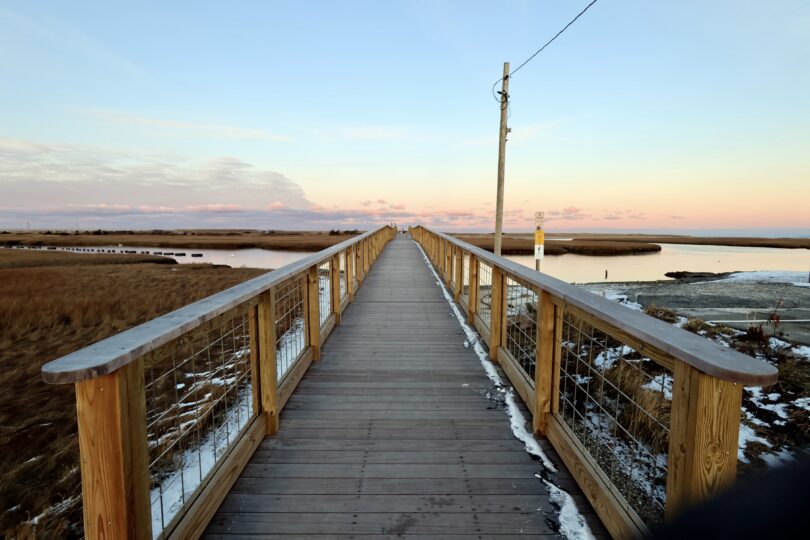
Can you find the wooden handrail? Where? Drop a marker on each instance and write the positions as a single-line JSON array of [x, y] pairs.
[[703, 414], [700, 353], [112, 402], [110, 354]]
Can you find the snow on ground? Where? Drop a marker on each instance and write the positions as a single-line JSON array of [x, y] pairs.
[[803, 351], [196, 462], [572, 524], [800, 279], [661, 383], [748, 435]]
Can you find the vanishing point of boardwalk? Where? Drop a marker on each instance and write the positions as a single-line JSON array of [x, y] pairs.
[[392, 432]]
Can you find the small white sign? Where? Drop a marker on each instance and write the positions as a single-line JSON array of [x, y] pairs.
[[538, 252]]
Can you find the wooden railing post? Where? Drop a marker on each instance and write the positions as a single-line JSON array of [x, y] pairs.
[[703, 437], [459, 277], [111, 413], [547, 346], [473, 307], [366, 263], [313, 312], [267, 360], [335, 287], [497, 320], [350, 277], [448, 262]]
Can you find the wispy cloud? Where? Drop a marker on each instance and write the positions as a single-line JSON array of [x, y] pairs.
[[64, 38], [184, 129]]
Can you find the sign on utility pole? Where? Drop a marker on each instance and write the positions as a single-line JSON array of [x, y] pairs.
[[539, 239], [501, 158]]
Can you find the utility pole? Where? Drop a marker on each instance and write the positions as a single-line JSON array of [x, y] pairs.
[[539, 239], [501, 157]]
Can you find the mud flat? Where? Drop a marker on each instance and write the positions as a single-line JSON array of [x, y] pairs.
[[726, 300]]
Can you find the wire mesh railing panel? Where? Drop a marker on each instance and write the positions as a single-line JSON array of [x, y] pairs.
[[343, 288], [618, 404], [484, 308], [521, 325], [290, 326], [198, 401], [324, 291]]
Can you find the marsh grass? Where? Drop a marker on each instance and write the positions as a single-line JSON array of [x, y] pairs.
[[47, 312]]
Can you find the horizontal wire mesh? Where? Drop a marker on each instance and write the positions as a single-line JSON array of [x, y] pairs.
[[198, 401], [484, 308], [343, 288], [521, 325], [324, 291], [618, 404], [290, 325]]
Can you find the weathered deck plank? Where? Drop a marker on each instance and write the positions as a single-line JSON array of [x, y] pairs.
[[392, 434]]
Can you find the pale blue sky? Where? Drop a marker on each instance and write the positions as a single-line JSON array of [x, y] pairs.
[[307, 113]]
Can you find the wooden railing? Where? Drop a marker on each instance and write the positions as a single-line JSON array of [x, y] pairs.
[[645, 415], [170, 411]]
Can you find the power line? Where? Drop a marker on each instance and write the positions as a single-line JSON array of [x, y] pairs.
[[538, 51]]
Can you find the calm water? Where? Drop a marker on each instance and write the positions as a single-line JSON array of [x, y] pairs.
[[671, 258], [573, 268]]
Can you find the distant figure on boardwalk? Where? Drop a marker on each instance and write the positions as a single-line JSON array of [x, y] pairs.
[[606, 275]]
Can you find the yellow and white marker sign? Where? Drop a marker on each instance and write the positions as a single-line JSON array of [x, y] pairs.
[[539, 235]]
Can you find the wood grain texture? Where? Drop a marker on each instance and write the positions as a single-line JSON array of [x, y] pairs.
[[111, 412], [267, 361], [517, 377], [496, 319], [703, 437], [472, 307], [544, 370]]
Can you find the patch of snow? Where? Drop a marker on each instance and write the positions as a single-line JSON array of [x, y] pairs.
[[197, 462], [661, 383], [466, 344], [778, 458], [759, 399], [572, 525], [518, 422], [802, 403], [607, 358], [776, 343], [747, 435], [803, 351]]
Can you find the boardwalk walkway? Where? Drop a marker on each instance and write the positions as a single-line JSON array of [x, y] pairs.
[[391, 434]]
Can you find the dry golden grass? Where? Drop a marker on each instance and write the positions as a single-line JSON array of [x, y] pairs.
[[524, 245], [290, 241], [45, 313], [24, 258]]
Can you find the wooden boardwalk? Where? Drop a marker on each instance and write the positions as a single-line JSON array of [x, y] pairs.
[[392, 433]]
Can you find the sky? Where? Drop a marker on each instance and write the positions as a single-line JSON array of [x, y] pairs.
[[648, 116]]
